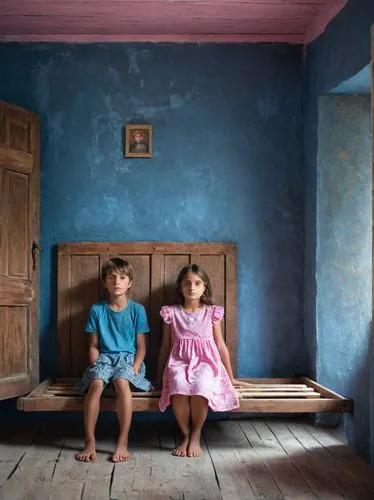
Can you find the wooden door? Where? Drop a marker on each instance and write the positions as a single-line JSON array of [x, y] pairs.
[[19, 259]]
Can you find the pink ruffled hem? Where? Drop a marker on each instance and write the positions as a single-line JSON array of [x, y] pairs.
[[228, 405]]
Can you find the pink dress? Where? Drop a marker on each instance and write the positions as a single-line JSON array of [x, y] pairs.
[[194, 366]]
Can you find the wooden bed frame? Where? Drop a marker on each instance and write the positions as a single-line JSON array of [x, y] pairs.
[[155, 267]]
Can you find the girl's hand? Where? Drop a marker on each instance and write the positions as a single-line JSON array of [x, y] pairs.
[[136, 369], [240, 383]]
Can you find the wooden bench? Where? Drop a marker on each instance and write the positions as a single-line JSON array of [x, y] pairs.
[[155, 267]]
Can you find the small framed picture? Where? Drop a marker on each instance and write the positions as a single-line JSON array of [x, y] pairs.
[[138, 141]]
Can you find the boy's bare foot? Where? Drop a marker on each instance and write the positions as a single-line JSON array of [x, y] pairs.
[[181, 450], [194, 449], [121, 453], [88, 454]]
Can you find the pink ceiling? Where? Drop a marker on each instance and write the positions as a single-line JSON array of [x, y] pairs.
[[290, 21]]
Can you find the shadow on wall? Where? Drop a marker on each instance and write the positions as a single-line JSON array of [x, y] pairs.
[[356, 426], [282, 284]]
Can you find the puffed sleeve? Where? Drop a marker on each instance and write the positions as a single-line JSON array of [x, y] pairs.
[[218, 313], [166, 314]]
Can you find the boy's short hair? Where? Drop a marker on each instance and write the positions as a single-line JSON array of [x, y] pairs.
[[117, 264]]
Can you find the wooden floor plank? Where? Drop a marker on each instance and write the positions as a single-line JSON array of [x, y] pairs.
[[289, 480], [313, 471], [349, 460], [68, 468], [134, 479], [340, 434], [168, 474], [14, 442], [343, 480], [41, 490], [37, 464], [239, 472], [271, 459], [95, 476], [195, 476], [99, 475]]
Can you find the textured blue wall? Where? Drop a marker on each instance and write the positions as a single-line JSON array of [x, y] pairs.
[[342, 51], [227, 122], [360, 83], [344, 254]]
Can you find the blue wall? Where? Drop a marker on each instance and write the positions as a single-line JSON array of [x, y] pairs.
[[360, 83], [342, 51], [227, 122], [344, 255]]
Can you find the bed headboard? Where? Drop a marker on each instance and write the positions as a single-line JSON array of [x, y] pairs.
[[156, 266]]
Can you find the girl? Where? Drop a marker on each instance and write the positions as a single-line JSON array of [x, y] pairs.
[[117, 348], [194, 359]]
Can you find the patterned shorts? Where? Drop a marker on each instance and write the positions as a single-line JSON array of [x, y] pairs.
[[109, 367]]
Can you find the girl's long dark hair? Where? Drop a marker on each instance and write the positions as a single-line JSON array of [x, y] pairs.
[[207, 296]]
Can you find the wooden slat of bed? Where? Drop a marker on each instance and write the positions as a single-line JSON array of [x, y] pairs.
[[58, 395]]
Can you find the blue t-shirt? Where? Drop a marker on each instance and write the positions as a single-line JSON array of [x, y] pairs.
[[117, 330]]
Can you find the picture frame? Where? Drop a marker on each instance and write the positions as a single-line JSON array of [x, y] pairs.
[[138, 141]]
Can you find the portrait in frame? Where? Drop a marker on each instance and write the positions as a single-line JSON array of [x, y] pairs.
[[138, 141]]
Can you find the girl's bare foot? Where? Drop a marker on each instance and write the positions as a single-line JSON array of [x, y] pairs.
[[194, 449], [88, 454], [181, 450], [121, 453]]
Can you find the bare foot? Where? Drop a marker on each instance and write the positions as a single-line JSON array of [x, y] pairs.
[[194, 449], [121, 453], [181, 450], [88, 454]]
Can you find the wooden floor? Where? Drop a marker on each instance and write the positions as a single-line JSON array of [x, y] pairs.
[[243, 459]]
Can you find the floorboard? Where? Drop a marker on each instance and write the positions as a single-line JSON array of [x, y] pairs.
[[346, 483], [258, 458]]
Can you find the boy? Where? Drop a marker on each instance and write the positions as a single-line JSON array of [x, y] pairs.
[[117, 348]]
